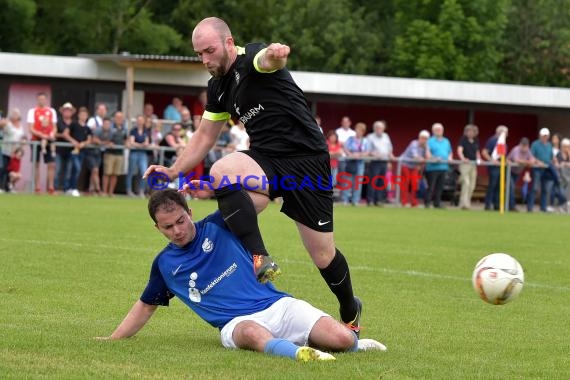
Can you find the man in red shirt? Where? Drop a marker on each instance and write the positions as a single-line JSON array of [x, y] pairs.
[[41, 123]]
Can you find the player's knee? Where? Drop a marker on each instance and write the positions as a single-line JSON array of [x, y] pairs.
[[345, 340], [218, 170], [246, 333]]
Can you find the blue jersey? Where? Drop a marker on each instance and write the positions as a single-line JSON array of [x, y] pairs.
[[213, 275]]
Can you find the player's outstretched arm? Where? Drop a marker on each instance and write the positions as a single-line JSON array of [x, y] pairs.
[[135, 320], [198, 147], [274, 58]]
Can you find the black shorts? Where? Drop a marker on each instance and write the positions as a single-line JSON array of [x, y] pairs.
[[37, 151], [304, 182]]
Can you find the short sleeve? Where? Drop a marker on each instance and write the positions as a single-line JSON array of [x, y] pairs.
[[53, 116], [214, 110], [156, 291], [91, 123]]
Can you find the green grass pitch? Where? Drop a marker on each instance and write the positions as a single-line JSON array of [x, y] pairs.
[[72, 268]]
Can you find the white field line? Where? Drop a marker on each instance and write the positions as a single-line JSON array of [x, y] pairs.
[[413, 273]]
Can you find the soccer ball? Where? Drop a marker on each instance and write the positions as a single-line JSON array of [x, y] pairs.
[[498, 278]]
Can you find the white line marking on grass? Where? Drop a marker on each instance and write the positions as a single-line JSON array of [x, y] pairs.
[[413, 273], [416, 273], [71, 244]]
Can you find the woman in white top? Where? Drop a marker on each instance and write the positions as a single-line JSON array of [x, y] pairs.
[[13, 137]]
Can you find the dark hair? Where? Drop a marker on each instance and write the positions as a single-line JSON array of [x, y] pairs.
[[165, 198], [331, 133], [524, 141], [107, 118]]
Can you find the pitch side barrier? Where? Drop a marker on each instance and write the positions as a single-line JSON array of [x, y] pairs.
[[478, 163], [160, 149], [397, 160]]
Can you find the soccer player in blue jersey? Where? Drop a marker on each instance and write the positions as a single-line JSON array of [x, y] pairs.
[[252, 84], [208, 269]]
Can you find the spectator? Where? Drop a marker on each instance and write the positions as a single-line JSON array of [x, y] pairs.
[[523, 158], [80, 135], [198, 108], [173, 111], [138, 140], [335, 151], [42, 125], [355, 148], [113, 159], [105, 137], [148, 112], [542, 179], [556, 189], [563, 159], [92, 158], [440, 151], [240, 138], [119, 121], [411, 162], [96, 121], [172, 139], [344, 132], [186, 119], [63, 154], [555, 141], [13, 169], [468, 152], [155, 137], [13, 136], [489, 154], [223, 146], [381, 148]]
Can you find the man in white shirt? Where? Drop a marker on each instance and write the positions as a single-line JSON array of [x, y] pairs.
[[344, 132], [381, 150], [95, 122]]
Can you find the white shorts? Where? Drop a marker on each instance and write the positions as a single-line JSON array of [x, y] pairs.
[[288, 318]]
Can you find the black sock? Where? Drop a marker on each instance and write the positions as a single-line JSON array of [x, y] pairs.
[[239, 214], [337, 277]]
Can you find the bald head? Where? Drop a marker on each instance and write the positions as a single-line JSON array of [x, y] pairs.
[[212, 25], [214, 44]]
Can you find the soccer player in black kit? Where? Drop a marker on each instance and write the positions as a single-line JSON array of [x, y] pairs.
[[253, 85]]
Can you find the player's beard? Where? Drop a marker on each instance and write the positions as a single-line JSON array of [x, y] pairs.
[[220, 70]]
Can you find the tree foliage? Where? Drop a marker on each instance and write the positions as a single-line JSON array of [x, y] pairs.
[[513, 41]]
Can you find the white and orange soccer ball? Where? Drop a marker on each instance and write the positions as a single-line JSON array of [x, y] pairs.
[[498, 278]]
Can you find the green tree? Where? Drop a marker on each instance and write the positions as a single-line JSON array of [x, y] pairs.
[[16, 24], [453, 39], [537, 43], [101, 26]]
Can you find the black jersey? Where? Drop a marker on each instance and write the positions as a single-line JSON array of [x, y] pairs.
[[270, 105]]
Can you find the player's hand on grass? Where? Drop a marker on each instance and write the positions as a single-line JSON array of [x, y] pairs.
[[153, 170], [197, 189]]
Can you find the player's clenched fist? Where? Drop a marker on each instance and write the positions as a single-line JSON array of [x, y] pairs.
[[277, 51]]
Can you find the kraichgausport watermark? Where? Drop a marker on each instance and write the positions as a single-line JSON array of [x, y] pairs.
[[344, 181]]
